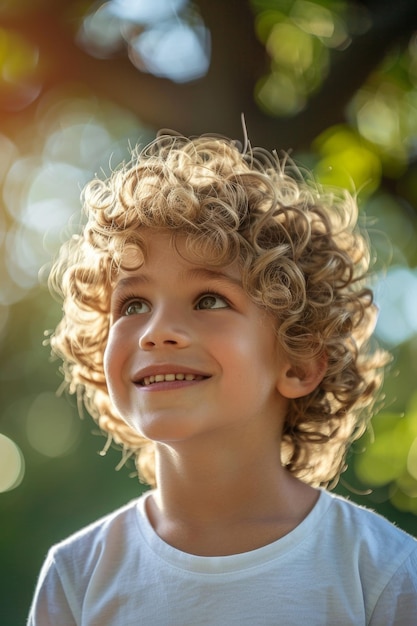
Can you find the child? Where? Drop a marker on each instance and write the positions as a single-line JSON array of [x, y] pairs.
[[216, 324]]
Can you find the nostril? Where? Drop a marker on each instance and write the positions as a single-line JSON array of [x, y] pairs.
[[163, 333], [146, 344]]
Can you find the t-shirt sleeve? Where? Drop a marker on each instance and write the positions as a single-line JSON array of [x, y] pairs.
[[50, 605], [397, 603]]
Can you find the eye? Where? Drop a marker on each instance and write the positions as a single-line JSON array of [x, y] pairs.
[[135, 307], [211, 301]]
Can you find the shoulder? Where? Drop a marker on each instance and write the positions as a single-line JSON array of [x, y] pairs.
[[380, 548], [365, 524], [114, 519], [76, 564], [353, 532], [112, 533], [359, 544]]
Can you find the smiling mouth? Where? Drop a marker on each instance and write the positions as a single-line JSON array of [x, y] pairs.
[[169, 378]]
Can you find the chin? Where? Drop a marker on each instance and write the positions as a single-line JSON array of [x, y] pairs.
[[165, 429]]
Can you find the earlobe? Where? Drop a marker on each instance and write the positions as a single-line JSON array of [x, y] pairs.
[[296, 381]]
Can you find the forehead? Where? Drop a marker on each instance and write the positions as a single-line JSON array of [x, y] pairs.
[[176, 253]]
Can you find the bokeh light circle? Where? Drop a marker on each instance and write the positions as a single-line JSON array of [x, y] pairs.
[[12, 464], [51, 426]]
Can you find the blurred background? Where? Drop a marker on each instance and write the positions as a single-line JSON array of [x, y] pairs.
[[333, 82]]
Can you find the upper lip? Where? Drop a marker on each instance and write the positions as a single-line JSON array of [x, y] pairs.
[[154, 370]]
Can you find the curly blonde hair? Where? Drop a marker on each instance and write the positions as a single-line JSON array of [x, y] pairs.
[[302, 259]]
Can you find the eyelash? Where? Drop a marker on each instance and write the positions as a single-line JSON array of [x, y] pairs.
[[213, 294], [123, 301]]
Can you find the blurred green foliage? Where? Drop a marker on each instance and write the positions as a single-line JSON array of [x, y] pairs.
[[298, 37], [77, 86]]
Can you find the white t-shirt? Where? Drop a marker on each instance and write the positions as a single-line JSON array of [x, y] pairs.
[[343, 565]]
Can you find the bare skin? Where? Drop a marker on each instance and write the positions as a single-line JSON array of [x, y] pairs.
[[218, 507]]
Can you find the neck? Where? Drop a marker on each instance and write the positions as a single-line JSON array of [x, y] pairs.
[[218, 502]]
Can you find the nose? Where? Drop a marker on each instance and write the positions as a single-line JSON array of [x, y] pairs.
[[165, 328]]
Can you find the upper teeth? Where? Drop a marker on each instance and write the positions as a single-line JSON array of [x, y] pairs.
[[159, 378]]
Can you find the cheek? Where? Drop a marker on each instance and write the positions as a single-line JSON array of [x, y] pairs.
[[114, 368], [112, 358], [106, 361]]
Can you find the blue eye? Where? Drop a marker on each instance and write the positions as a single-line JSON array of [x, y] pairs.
[[211, 301], [136, 307]]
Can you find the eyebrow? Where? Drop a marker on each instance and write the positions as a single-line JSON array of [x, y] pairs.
[[210, 274], [190, 274]]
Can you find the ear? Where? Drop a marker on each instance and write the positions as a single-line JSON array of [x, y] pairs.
[[296, 381]]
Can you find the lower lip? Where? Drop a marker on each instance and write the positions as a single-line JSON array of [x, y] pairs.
[[169, 385]]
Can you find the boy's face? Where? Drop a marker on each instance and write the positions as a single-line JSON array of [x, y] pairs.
[[189, 354]]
